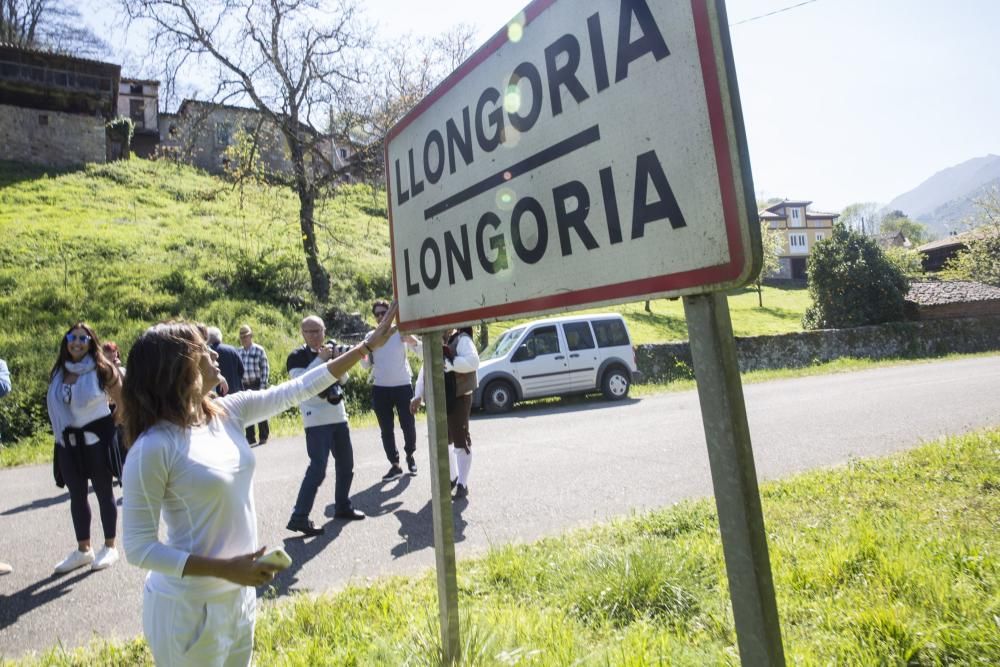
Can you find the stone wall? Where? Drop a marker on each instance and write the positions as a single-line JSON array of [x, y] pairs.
[[51, 138], [672, 361]]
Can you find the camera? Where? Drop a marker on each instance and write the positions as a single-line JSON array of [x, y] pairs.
[[338, 348], [334, 394]]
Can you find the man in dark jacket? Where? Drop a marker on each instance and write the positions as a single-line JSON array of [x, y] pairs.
[[230, 364]]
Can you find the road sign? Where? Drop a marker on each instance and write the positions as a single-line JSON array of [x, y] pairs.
[[591, 153]]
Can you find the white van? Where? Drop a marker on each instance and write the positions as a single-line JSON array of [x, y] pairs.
[[555, 357]]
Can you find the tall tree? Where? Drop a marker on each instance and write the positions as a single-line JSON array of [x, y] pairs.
[[896, 221], [54, 25], [405, 72], [862, 217], [980, 260], [773, 244], [291, 59]]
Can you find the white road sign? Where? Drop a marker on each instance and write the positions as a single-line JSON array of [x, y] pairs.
[[592, 152]]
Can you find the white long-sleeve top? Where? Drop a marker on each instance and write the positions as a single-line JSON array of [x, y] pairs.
[[466, 361], [199, 481]]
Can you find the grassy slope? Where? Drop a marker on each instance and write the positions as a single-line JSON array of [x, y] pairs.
[[127, 244], [782, 313], [881, 562]]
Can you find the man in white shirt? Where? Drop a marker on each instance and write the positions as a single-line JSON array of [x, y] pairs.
[[392, 391], [327, 432]]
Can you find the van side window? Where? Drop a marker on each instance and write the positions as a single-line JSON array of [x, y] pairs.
[[578, 336], [543, 340], [610, 333]]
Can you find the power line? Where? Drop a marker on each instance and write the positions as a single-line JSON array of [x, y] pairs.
[[776, 11]]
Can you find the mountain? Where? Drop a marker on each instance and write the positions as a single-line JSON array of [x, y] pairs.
[[945, 200]]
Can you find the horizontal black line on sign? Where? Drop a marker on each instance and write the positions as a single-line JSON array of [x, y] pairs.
[[543, 375], [563, 148]]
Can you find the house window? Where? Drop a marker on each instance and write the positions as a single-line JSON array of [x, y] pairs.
[[137, 112], [343, 153], [796, 218], [797, 242], [222, 134], [819, 236]]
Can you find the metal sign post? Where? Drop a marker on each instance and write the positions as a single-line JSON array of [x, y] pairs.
[[589, 134], [442, 518], [734, 478]]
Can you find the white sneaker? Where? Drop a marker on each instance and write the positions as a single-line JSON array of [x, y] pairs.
[[75, 559], [106, 557], [5, 568]]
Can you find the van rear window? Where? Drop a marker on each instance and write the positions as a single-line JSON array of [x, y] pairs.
[[610, 333]]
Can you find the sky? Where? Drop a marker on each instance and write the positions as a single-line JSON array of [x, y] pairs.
[[844, 100]]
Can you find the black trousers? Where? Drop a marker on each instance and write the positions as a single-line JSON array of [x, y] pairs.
[[265, 428], [82, 464], [385, 401]]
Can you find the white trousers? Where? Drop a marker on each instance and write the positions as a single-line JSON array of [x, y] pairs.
[[205, 633]]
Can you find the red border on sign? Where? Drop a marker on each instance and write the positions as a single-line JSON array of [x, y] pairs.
[[675, 281]]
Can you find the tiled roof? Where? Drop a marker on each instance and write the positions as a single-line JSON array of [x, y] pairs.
[[956, 240], [42, 52], [952, 291]]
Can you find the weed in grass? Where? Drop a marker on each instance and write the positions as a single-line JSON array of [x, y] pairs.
[[621, 588]]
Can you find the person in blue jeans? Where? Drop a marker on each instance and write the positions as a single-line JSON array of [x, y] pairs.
[[325, 419], [392, 391]]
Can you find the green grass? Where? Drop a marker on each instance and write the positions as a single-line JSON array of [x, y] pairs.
[[782, 313], [127, 244], [881, 562]]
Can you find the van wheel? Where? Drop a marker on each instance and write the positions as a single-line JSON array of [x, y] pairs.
[[498, 397], [615, 383]]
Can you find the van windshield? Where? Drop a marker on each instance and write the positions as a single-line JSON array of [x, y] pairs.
[[501, 346]]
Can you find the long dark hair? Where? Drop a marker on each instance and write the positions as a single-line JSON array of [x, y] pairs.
[[105, 369], [163, 379]]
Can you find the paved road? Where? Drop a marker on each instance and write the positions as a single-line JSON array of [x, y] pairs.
[[537, 473]]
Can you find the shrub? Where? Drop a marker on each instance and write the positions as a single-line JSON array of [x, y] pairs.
[[852, 283]]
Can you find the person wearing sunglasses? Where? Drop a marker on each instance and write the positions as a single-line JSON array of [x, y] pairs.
[[191, 467], [81, 384], [392, 391]]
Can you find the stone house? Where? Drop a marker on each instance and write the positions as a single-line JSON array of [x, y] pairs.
[[139, 99], [800, 230], [932, 300], [54, 107], [200, 132]]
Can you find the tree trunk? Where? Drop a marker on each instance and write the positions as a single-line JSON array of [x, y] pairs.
[[319, 279], [648, 309], [760, 295], [484, 336]]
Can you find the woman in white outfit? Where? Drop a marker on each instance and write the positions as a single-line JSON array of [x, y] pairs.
[[190, 466], [81, 383]]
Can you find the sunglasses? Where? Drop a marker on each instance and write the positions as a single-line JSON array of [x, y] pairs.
[[82, 338], [380, 313]]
